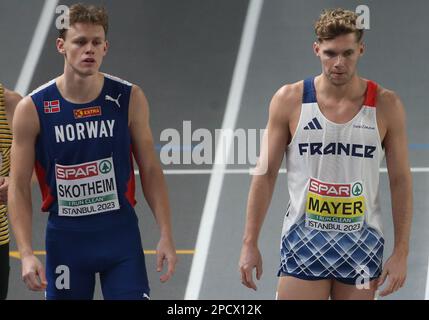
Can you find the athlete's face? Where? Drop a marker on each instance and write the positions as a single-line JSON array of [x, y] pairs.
[[84, 48], [339, 57]]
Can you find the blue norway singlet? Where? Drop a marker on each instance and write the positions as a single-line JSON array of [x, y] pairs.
[[84, 157], [85, 170]]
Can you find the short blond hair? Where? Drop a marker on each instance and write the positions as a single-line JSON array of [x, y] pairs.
[[86, 14], [335, 22]]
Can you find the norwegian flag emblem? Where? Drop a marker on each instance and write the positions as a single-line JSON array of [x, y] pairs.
[[52, 106]]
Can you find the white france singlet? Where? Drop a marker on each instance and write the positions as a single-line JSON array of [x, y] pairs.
[[332, 227]]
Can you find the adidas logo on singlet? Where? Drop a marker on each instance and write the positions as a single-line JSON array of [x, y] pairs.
[[314, 124]]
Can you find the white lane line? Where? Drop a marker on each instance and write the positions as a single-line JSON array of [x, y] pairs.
[[36, 47], [247, 171], [427, 283], [223, 149]]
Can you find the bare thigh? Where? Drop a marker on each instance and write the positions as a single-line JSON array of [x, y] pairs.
[[290, 288], [342, 291]]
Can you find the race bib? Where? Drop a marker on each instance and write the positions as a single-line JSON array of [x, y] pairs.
[[335, 207], [86, 188]]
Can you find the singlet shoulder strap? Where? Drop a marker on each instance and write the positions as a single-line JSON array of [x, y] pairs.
[[371, 94], [309, 94]]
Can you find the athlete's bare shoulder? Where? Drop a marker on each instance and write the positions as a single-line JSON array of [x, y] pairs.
[[139, 107], [290, 94], [387, 99], [26, 103], [390, 109], [287, 100], [138, 98], [26, 114], [136, 90]]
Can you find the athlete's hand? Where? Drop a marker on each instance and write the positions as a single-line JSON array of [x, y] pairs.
[[166, 251], [250, 258], [395, 270], [33, 273], [4, 184]]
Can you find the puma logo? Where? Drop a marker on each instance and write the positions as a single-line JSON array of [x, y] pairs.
[[109, 98]]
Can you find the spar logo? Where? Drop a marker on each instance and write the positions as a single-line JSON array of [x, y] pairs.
[[81, 171], [357, 189], [105, 166], [330, 190]]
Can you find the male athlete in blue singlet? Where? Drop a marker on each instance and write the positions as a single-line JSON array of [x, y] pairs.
[[335, 129], [81, 131]]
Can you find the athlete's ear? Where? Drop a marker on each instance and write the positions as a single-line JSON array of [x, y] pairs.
[[60, 46], [316, 48], [362, 48], [106, 47]]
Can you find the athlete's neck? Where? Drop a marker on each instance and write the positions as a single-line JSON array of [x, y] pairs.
[[80, 89], [349, 91]]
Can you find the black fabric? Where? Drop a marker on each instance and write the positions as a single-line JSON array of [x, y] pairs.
[[4, 270]]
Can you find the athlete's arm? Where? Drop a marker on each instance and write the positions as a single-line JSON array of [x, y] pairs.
[[277, 136], [395, 142], [152, 179], [25, 130], [11, 100]]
